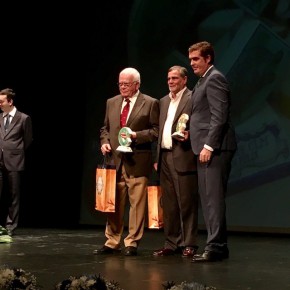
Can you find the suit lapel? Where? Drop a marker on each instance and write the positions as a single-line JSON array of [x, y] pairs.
[[13, 122], [117, 106], [163, 112], [2, 125], [201, 81], [183, 102], [136, 109]]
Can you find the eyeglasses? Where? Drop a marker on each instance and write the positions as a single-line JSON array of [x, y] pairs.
[[126, 85]]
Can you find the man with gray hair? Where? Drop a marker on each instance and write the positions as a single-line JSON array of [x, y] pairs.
[[176, 164]]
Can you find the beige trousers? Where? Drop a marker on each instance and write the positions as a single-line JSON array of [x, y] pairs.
[[135, 188]]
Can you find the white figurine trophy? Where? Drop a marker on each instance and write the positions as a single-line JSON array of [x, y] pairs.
[[180, 127], [125, 142]]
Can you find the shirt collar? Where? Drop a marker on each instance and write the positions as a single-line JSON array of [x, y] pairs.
[[11, 113], [178, 95], [133, 98], [207, 71]]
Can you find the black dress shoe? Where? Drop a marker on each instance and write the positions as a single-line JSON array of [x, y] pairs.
[[179, 250], [130, 251], [210, 256], [163, 252], [189, 252], [106, 250]]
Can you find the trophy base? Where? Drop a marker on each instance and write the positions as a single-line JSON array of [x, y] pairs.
[[178, 136], [124, 149]]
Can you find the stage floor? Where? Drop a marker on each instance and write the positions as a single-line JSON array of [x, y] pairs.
[[256, 261]]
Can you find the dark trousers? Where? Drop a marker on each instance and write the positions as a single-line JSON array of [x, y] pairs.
[[180, 204], [212, 181], [9, 197]]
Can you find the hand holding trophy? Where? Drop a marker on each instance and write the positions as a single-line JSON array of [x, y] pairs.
[[124, 140], [180, 127]]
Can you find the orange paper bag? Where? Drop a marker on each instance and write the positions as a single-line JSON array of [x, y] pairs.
[[155, 210], [105, 188]]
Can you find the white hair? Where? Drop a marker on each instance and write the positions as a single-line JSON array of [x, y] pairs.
[[132, 71]]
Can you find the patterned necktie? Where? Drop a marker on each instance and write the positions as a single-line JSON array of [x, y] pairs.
[[7, 122], [124, 114]]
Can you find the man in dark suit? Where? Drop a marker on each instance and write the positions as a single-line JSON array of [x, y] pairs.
[[133, 169], [15, 137], [213, 141], [177, 167]]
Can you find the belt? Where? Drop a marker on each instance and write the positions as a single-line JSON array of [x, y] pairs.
[[166, 150]]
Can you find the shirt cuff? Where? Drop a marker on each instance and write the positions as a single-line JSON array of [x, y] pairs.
[[208, 147]]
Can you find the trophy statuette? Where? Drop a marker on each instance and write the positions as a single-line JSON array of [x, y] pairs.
[[125, 142], [180, 127]]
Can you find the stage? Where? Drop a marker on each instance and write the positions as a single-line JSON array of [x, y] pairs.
[[256, 261]]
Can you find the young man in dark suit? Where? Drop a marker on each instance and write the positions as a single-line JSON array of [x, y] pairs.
[[133, 168], [177, 166], [15, 138], [214, 143]]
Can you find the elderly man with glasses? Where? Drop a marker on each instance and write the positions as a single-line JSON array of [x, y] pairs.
[[138, 114]]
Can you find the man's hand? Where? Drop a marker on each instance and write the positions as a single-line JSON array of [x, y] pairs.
[[106, 148], [186, 135], [205, 155], [131, 136]]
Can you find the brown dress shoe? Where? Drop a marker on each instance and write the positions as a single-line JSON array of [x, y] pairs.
[[130, 251], [163, 252], [189, 252], [106, 251]]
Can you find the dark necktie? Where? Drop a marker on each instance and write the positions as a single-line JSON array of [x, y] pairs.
[[198, 82], [124, 114], [7, 122]]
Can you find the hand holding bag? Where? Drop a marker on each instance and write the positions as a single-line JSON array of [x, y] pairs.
[[105, 187]]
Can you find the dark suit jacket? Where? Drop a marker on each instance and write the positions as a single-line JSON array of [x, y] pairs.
[[144, 121], [210, 120], [15, 141], [183, 157]]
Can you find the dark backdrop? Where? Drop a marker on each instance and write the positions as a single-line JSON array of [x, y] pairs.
[[44, 56], [251, 40], [53, 56]]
